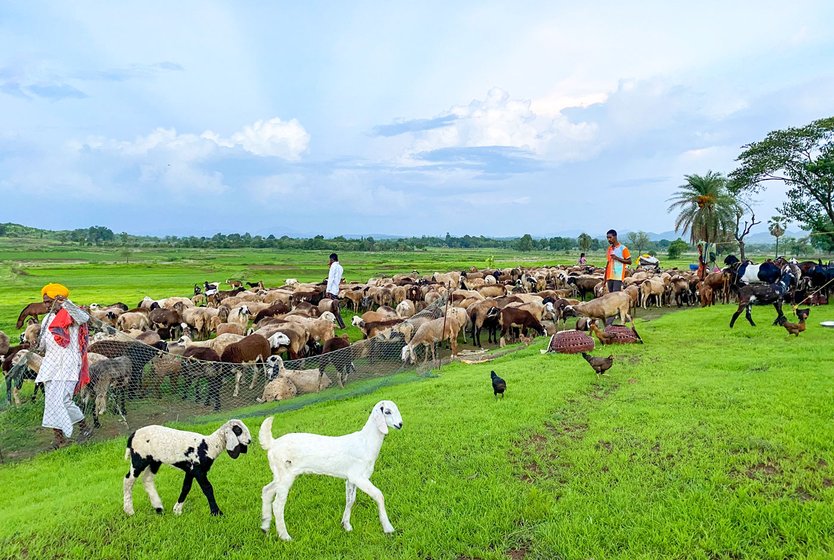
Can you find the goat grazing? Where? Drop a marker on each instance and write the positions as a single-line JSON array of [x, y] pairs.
[[151, 446], [351, 457]]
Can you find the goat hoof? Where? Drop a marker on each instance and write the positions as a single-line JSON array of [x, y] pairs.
[[347, 526], [217, 513], [388, 530], [285, 537], [129, 511], [160, 511]]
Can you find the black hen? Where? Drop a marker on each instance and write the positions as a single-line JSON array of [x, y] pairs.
[[600, 365], [498, 385]]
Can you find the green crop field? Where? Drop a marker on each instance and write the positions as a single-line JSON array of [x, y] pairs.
[[704, 442]]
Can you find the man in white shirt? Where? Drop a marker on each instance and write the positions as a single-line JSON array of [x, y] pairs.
[[63, 338], [334, 278]]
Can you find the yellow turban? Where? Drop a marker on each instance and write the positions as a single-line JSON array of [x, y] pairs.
[[55, 290]]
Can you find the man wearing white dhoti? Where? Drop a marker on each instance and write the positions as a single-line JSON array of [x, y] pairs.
[[64, 369]]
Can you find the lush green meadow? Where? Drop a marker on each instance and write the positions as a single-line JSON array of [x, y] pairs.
[[705, 442]]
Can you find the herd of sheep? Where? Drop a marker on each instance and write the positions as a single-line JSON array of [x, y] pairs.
[[273, 336]]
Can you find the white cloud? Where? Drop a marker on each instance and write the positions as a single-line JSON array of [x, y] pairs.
[[499, 120], [271, 138], [287, 140]]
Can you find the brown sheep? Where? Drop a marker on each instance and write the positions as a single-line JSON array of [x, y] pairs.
[[277, 308], [253, 348], [370, 330], [233, 328], [521, 318], [609, 305]]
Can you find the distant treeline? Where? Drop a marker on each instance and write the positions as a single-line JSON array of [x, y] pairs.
[[103, 236]]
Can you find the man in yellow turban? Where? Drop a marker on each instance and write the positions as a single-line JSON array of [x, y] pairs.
[[65, 369], [51, 291]]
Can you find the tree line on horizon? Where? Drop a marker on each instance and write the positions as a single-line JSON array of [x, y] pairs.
[[101, 236]]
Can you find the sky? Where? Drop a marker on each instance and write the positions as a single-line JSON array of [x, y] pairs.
[[398, 118]]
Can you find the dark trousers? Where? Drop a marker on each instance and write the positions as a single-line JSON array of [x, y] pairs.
[[613, 286]]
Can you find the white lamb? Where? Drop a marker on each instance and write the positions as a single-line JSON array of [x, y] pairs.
[[305, 380], [278, 389], [351, 457]]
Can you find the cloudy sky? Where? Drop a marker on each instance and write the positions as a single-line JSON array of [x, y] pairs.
[[300, 118]]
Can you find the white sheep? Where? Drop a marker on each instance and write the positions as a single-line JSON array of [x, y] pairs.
[[133, 320], [151, 446], [351, 457], [278, 389], [406, 309], [429, 333], [305, 380]]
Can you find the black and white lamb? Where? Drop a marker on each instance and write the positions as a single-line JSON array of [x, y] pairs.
[[149, 447]]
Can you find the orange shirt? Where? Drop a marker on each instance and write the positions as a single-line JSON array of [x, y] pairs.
[[615, 270]]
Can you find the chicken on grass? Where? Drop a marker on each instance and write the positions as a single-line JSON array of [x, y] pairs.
[[498, 385], [600, 365]]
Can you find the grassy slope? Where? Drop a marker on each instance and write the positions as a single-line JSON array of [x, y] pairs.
[[703, 443]]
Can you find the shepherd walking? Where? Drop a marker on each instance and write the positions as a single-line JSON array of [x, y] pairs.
[[64, 371]]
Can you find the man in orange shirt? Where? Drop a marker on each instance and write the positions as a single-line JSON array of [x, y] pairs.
[[618, 257]]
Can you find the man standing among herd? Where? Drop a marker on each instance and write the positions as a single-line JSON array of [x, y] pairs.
[[334, 279], [618, 257]]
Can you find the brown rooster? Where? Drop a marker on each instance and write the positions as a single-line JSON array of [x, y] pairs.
[[600, 365], [796, 328], [601, 335]]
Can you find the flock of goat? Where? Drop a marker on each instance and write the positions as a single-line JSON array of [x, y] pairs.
[[218, 336]]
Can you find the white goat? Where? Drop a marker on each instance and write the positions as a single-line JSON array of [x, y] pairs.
[[351, 457]]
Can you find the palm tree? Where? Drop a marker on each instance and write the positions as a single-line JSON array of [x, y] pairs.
[[707, 209], [777, 226]]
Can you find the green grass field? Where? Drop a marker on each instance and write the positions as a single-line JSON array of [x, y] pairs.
[[702, 443], [705, 442]]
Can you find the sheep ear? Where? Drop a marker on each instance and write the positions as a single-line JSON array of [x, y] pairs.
[[231, 439], [379, 418]]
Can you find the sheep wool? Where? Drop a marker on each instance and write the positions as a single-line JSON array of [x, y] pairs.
[[149, 447]]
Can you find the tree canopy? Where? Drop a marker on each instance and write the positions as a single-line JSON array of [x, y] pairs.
[[801, 158], [707, 209]]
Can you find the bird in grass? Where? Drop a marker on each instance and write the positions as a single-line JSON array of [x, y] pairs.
[[603, 337], [796, 328], [600, 365], [498, 385]]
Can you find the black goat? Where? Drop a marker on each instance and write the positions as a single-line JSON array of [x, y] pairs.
[[763, 294]]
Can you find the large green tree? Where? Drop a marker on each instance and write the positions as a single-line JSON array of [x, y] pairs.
[[706, 208], [803, 160], [638, 240], [584, 242]]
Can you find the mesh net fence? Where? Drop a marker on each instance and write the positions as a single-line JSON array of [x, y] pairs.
[[135, 382]]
